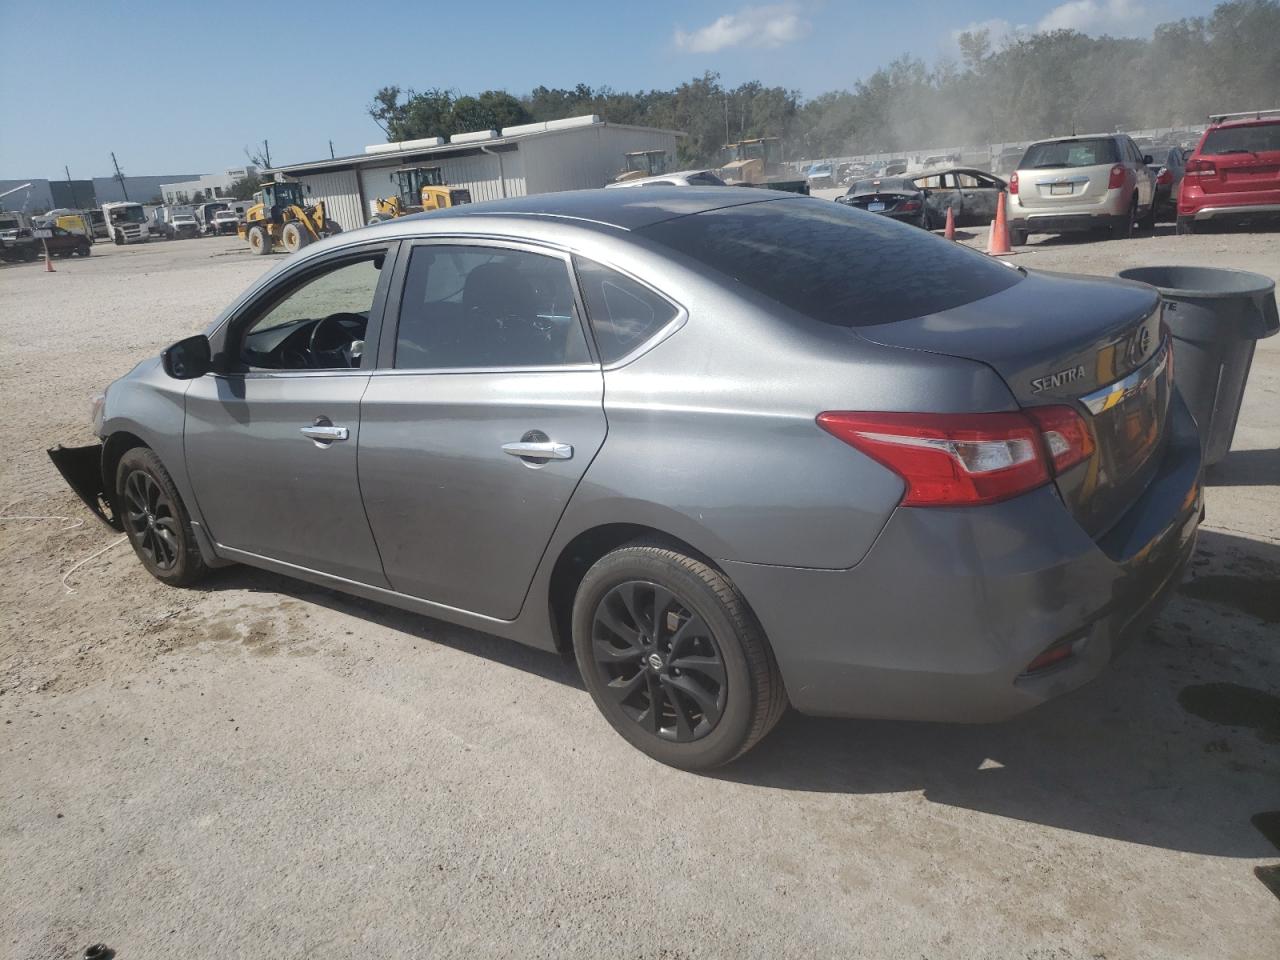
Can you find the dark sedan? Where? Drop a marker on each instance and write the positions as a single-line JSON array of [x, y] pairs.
[[895, 197]]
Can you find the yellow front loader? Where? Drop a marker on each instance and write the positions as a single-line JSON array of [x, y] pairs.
[[419, 189], [281, 217]]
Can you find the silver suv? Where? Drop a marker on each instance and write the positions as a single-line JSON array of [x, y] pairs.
[[1081, 183]]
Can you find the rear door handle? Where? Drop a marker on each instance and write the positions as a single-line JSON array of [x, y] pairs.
[[326, 433], [547, 450]]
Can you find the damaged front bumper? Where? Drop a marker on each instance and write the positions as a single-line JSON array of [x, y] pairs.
[[81, 467]]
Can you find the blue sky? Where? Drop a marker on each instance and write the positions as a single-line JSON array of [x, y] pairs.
[[143, 79]]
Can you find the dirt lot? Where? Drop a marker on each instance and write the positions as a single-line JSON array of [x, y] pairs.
[[261, 768]]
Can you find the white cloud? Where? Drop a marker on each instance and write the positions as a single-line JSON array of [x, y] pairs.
[[769, 26], [1122, 17], [1094, 16]]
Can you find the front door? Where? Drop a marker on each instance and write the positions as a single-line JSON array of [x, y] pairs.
[[271, 443], [483, 416]]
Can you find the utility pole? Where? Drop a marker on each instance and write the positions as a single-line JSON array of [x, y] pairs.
[[75, 202], [266, 153], [331, 150], [119, 175]]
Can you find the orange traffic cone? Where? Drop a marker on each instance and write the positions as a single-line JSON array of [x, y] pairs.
[[998, 242], [950, 230]]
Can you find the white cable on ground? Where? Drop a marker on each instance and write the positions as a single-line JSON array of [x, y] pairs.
[[92, 556], [71, 522]]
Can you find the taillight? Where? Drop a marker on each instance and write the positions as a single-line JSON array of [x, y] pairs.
[[906, 206], [1197, 167], [1116, 180], [966, 459], [1066, 435], [1164, 177], [1013, 182]]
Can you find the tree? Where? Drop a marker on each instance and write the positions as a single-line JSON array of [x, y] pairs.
[[245, 187], [198, 197]]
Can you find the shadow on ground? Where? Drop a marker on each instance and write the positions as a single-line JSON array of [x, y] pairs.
[[1122, 758], [1246, 468]]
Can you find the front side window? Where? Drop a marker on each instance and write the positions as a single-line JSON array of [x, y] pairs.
[[623, 312], [471, 306], [318, 325]]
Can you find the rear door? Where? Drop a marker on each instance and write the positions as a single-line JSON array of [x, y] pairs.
[[485, 411], [1245, 162]]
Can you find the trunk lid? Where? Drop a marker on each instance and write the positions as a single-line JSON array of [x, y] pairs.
[[1088, 343], [1245, 158]]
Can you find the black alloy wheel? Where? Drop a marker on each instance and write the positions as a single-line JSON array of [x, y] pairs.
[[659, 661], [151, 520]]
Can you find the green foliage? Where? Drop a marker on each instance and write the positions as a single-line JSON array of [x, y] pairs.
[[245, 187], [1024, 86]]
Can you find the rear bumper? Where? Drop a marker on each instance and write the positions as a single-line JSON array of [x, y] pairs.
[[1062, 222], [1242, 210], [941, 618]]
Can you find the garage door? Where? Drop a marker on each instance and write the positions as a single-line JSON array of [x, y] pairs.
[[340, 195]]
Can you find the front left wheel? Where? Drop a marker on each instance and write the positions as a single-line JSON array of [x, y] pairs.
[[674, 658], [156, 520]]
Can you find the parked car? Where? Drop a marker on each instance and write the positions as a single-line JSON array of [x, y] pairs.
[[1081, 183], [897, 198], [683, 178], [224, 222], [178, 226], [1168, 173], [892, 168], [25, 246], [1234, 172], [1007, 160], [821, 175], [718, 444], [972, 194]]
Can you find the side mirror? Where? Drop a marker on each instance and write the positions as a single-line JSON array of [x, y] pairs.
[[1146, 158], [188, 359]]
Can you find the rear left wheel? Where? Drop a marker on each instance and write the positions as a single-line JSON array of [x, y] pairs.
[[155, 519], [674, 658]]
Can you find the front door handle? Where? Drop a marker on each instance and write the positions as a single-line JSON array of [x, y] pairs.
[[546, 450], [326, 433]]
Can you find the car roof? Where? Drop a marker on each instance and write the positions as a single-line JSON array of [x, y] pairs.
[[1245, 122], [1078, 136], [890, 182], [935, 173], [623, 209]]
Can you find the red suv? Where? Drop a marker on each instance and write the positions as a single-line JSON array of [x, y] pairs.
[[1234, 171]]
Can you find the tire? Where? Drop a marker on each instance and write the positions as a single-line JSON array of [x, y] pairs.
[[118, 239], [715, 635], [85, 251], [1147, 223], [1122, 228], [1185, 226], [259, 240], [332, 228], [1017, 237], [294, 236], [156, 520]]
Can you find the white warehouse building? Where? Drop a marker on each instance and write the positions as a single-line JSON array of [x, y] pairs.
[[571, 154]]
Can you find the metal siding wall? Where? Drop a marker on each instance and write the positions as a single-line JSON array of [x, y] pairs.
[[340, 196], [479, 174], [586, 158]]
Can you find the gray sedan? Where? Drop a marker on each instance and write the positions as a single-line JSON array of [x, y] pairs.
[[734, 449]]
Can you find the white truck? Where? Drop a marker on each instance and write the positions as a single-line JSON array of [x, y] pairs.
[[126, 221]]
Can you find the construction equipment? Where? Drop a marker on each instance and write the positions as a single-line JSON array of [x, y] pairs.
[[758, 163], [281, 216], [641, 164], [418, 189]]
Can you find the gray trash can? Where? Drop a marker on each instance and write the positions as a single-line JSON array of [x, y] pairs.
[[1216, 318]]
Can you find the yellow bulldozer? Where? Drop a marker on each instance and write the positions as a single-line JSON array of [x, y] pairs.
[[758, 163], [641, 164], [418, 189], [280, 216]]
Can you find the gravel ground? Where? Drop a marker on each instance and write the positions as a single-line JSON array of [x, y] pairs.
[[261, 768]]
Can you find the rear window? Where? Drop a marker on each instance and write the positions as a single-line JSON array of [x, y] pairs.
[[1263, 138], [833, 263], [1070, 153]]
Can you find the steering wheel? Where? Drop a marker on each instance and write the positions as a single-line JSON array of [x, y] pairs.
[[330, 342]]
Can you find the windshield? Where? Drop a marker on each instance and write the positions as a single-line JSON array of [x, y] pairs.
[[1263, 138], [903, 271], [130, 214], [1092, 152]]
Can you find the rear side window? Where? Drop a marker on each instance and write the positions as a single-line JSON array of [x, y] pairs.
[[1264, 138], [472, 306], [1070, 153], [623, 313], [834, 263]]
